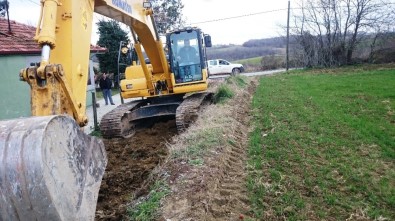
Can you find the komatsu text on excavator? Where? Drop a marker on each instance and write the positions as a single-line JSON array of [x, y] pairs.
[[49, 168]]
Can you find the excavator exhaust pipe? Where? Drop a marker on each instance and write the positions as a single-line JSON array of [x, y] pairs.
[[49, 169]]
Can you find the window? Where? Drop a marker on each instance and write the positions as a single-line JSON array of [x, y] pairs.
[[213, 62]]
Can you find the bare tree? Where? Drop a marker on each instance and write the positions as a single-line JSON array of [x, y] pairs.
[[330, 31]]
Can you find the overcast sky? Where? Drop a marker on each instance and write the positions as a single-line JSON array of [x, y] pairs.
[[237, 21], [228, 22]]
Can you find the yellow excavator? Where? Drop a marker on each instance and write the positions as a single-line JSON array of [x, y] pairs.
[[49, 168], [165, 84]]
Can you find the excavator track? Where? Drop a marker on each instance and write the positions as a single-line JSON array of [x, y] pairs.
[[188, 110], [122, 121], [116, 124]]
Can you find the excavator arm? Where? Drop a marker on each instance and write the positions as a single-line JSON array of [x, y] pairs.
[[64, 33], [138, 16]]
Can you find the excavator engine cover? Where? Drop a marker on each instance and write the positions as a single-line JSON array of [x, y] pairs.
[[49, 169]]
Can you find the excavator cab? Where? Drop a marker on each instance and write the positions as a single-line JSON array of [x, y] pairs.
[[187, 54]]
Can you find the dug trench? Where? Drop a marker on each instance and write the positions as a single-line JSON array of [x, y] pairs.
[[214, 191], [130, 162]]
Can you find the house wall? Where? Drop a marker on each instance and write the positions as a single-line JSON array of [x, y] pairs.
[[15, 94]]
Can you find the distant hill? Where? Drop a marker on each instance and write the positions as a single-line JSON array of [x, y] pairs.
[[249, 49]]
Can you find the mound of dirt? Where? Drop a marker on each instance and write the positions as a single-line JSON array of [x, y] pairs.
[[215, 190]]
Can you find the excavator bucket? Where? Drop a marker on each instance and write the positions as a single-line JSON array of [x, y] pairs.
[[49, 170]]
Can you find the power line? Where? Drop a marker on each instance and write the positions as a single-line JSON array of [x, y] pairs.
[[31, 2], [264, 12], [239, 16]]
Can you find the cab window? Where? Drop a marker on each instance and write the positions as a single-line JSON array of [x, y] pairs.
[[213, 62]]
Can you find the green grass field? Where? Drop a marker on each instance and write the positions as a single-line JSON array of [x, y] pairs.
[[256, 61], [261, 63], [323, 147]]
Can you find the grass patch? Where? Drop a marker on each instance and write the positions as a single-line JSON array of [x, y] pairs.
[[223, 93], [196, 162], [256, 61], [210, 131], [324, 145], [228, 89], [197, 144], [238, 80], [255, 184], [96, 133], [148, 209]]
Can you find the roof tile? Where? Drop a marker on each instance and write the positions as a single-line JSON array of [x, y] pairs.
[[20, 39]]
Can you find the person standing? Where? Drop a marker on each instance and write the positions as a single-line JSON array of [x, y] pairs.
[[105, 86]]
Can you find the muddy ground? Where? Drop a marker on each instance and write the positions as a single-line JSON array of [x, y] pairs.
[[130, 162], [215, 191]]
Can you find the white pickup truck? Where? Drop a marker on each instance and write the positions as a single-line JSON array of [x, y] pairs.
[[220, 66]]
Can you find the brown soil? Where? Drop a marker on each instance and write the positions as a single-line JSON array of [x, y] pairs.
[[214, 191], [130, 162]]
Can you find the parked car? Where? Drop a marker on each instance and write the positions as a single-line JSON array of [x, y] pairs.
[[220, 66]]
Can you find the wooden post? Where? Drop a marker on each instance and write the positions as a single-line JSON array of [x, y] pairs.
[[95, 123]]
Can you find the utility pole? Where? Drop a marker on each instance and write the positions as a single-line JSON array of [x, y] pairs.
[[121, 44], [287, 51]]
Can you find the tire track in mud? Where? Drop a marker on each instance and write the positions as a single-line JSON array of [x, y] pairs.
[[217, 190], [229, 201], [130, 162]]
